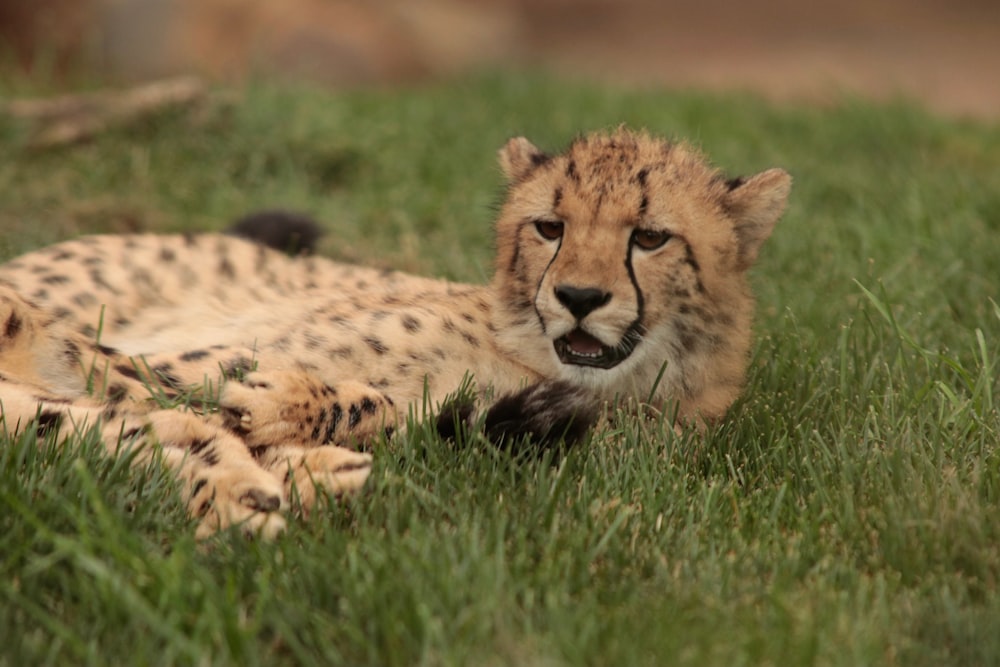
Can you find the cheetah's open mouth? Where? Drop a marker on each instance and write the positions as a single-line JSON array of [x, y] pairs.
[[581, 349]]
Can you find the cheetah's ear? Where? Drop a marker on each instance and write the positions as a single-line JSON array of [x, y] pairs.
[[519, 157], [755, 204]]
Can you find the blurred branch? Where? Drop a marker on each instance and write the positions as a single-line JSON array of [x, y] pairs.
[[68, 119]]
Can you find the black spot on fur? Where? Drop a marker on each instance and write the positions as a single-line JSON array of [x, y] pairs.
[[312, 341], [97, 277], [205, 450], [257, 451], [411, 323], [260, 501], [557, 198], [128, 371], [197, 446], [105, 350], [288, 232], [571, 172], [734, 183], [515, 257], [13, 325], [48, 420], [336, 416], [144, 277], [203, 508], [236, 367], [680, 292], [342, 352], [167, 254], [128, 434], [198, 485], [116, 393], [538, 159], [353, 416], [226, 268], [690, 259], [84, 299], [194, 355], [691, 335], [165, 374], [56, 279], [377, 345], [318, 428], [689, 341], [368, 406]]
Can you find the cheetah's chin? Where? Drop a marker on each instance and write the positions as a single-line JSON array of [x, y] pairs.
[[579, 348]]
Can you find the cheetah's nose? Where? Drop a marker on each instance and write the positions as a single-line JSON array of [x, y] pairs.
[[581, 301]]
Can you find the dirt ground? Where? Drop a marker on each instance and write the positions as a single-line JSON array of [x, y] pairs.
[[945, 53]]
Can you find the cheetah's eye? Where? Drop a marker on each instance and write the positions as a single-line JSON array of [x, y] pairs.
[[551, 230], [649, 239]]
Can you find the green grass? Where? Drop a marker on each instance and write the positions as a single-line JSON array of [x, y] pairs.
[[846, 513]]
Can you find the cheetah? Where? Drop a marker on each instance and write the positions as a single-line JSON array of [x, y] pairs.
[[620, 275]]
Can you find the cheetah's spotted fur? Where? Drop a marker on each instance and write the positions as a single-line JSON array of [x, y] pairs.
[[620, 274]]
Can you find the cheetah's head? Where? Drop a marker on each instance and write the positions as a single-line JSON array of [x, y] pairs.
[[621, 263]]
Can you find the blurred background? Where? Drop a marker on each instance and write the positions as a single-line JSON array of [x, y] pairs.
[[945, 53]]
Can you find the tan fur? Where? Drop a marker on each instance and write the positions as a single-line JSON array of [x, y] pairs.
[[313, 356], [697, 307]]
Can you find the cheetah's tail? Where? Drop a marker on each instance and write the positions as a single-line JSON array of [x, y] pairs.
[[288, 232]]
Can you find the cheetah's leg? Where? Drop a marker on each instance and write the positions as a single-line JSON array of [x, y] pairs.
[[43, 382], [307, 469], [276, 407], [273, 410], [222, 484]]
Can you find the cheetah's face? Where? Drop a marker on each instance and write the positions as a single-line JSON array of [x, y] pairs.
[[622, 252]]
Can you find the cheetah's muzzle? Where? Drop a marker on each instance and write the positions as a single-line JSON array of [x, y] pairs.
[[579, 348]]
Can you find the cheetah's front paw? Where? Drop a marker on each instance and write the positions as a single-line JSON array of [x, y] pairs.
[[281, 407], [244, 496], [224, 486], [336, 470]]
